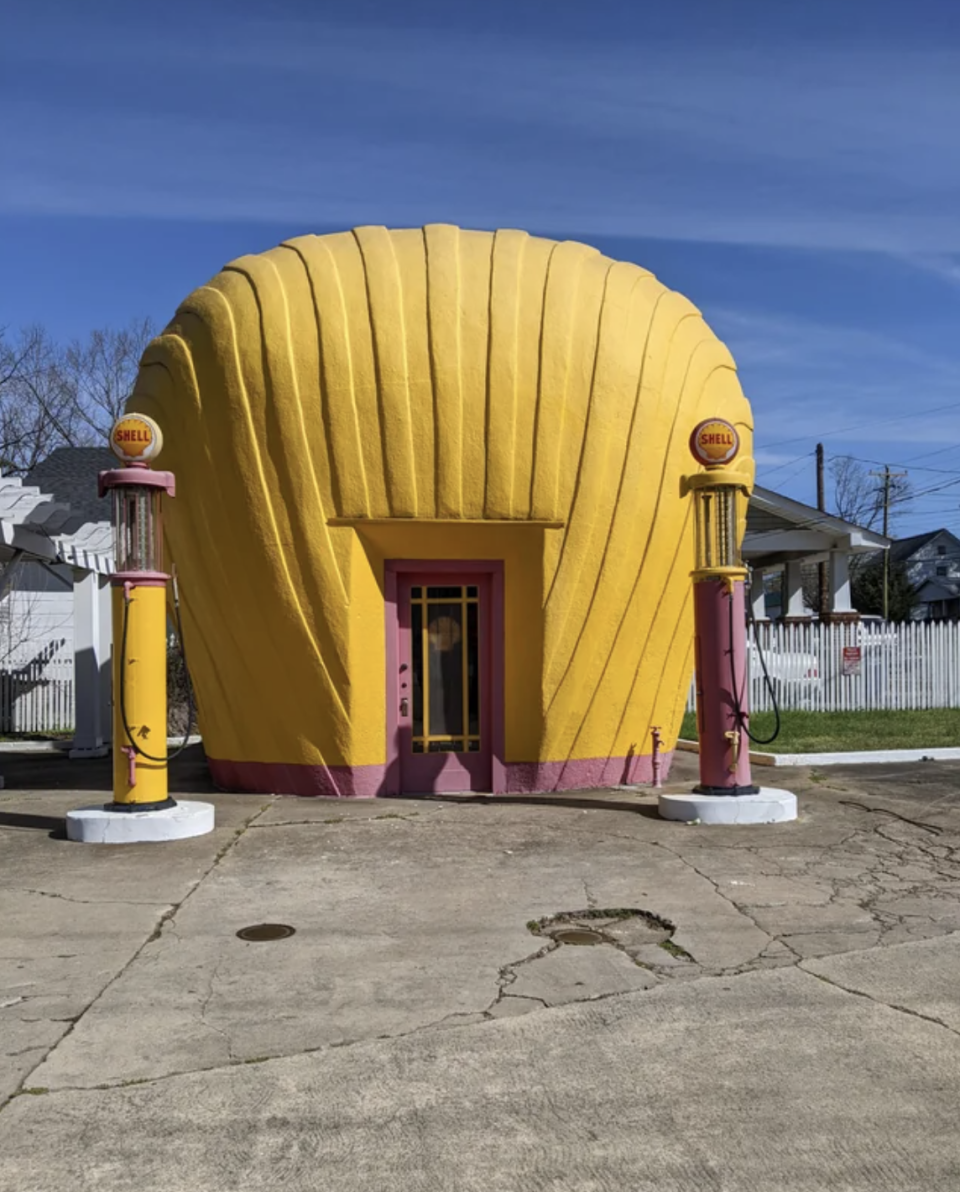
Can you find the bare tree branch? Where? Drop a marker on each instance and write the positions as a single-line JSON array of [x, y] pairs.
[[858, 496], [101, 372], [53, 396]]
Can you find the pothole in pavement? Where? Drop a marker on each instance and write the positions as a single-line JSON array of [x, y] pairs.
[[614, 950], [646, 938], [578, 935]]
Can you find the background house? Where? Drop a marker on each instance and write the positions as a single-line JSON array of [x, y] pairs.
[[56, 547], [932, 564]]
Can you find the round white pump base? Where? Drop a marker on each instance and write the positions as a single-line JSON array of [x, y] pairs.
[[100, 825], [768, 806]]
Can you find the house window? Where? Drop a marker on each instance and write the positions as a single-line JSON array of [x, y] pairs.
[[941, 571], [941, 550]]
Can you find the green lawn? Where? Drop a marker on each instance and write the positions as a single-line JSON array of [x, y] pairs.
[[834, 732]]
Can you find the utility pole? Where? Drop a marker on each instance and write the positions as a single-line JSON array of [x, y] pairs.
[[887, 476], [822, 586]]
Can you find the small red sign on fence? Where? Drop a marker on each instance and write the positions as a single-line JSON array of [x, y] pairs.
[[851, 660]]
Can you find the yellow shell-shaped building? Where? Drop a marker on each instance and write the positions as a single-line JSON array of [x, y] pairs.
[[429, 529]]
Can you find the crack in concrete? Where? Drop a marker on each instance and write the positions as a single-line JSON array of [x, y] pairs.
[[937, 831], [879, 1001], [524, 997], [506, 975], [336, 820], [878, 856], [477, 1017], [716, 885], [473, 1018], [85, 901], [166, 917], [202, 1009]]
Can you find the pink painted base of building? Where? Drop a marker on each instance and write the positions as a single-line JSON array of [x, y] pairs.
[[369, 782]]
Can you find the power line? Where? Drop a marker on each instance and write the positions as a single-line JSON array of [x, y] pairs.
[[859, 459], [769, 471], [791, 475], [951, 508], [939, 451], [936, 488], [859, 426], [940, 486], [917, 493]]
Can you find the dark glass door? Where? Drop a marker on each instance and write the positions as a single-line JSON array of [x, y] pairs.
[[443, 682]]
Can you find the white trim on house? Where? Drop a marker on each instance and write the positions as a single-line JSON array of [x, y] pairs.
[[829, 531], [784, 534]]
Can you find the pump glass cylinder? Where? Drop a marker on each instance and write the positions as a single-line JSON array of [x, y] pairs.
[[138, 528], [716, 527]]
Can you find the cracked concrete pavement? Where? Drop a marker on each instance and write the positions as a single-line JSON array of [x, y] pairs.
[[772, 1007]]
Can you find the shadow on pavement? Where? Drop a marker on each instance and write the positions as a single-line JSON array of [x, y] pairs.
[[54, 824], [576, 800], [57, 772]]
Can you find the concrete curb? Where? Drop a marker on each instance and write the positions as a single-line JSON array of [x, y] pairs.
[[858, 757]]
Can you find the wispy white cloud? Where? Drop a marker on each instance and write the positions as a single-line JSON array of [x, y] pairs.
[[774, 338], [796, 146], [731, 140], [810, 380], [945, 266]]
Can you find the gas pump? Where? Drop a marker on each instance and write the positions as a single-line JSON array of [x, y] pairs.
[[142, 808], [726, 793], [139, 622], [719, 494]]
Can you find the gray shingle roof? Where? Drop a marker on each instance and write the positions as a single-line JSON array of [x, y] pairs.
[[904, 548], [937, 588], [70, 474]]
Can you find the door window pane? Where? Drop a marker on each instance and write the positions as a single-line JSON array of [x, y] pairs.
[[416, 650], [444, 669], [473, 670], [445, 662]]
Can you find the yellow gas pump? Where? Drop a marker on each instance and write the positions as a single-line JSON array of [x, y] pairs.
[[142, 808]]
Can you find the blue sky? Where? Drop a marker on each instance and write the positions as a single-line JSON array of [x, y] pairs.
[[792, 168]]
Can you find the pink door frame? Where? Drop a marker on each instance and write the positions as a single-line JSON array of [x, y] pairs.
[[392, 570]]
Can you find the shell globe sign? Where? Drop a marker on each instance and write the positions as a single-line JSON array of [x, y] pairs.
[[714, 442], [136, 439]]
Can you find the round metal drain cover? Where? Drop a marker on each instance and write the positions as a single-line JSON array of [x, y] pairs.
[[261, 932], [578, 935]]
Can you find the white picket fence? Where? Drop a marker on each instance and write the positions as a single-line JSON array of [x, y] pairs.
[[836, 668], [36, 696]]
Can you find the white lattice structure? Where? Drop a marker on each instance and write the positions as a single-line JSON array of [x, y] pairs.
[[48, 530]]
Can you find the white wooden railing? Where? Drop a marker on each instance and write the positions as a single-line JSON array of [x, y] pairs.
[[36, 696], [835, 668]]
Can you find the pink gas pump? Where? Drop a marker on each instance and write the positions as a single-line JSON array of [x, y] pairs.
[[725, 793]]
